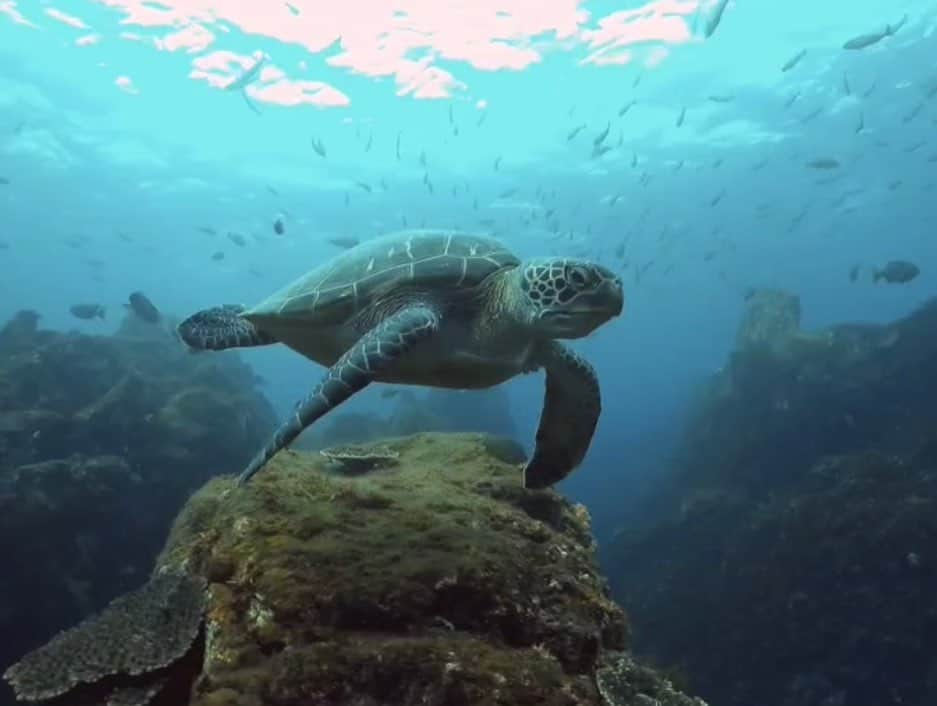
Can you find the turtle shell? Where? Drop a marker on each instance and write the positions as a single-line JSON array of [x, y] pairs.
[[424, 260]]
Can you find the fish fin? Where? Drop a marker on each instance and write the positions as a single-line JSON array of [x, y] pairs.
[[101, 312]]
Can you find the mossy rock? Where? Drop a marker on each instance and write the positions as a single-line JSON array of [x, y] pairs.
[[432, 583]]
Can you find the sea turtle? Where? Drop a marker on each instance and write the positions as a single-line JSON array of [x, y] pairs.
[[441, 309]]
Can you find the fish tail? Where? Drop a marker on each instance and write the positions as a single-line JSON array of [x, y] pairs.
[[878, 275]]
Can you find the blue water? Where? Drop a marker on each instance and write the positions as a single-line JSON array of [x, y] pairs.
[[86, 160]]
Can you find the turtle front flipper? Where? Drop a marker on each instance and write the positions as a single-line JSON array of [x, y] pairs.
[[374, 352], [221, 327], [571, 409]]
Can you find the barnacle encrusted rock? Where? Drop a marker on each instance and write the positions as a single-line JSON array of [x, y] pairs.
[[355, 459], [142, 631]]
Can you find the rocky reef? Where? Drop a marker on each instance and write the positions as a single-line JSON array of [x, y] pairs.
[[791, 559], [102, 438], [434, 581]]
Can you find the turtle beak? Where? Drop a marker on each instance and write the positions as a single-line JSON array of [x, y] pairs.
[[613, 293]]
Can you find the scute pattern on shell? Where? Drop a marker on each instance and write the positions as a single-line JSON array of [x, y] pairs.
[[139, 632], [427, 260]]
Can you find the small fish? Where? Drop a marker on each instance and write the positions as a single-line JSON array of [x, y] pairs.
[[712, 24], [363, 186], [4, 181], [575, 131], [218, 256], [823, 163], [497, 163], [811, 115], [897, 272], [87, 311], [600, 138], [624, 109], [507, 193], [794, 60], [346, 242], [790, 101], [207, 231], [721, 99], [846, 87], [318, 147], [293, 9], [681, 118], [397, 145], [278, 226], [854, 272], [237, 239], [913, 113], [144, 308], [272, 190], [861, 124], [389, 393], [867, 40], [246, 77]]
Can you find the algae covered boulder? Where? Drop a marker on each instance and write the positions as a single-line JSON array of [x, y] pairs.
[[436, 581]]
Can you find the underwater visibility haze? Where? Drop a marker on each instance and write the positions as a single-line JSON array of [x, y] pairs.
[[718, 215]]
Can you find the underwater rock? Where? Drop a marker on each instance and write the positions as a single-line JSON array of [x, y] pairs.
[[54, 493], [98, 452], [20, 330], [412, 587], [789, 560], [772, 316], [622, 680]]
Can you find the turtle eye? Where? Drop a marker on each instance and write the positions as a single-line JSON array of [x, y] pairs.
[[577, 276]]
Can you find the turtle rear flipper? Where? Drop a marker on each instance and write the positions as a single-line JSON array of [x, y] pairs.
[[376, 350], [571, 407], [221, 327]]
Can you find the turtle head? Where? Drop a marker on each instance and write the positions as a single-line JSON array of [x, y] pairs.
[[569, 298]]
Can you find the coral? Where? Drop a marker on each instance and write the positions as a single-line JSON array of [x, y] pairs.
[[142, 631], [355, 459]]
